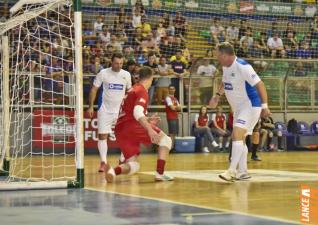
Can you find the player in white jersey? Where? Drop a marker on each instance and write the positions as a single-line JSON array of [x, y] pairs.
[[247, 96], [115, 82]]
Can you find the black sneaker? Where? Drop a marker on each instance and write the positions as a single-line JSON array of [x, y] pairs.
[[255, 158]]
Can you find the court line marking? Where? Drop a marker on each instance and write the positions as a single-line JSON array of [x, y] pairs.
[[194, 205], [204, 214], [258, 175]]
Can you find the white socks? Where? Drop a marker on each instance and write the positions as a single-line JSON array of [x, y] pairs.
[[243, 161], [102, 148], [238, 148]]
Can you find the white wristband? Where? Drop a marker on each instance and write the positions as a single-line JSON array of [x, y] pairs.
[[264, 106]]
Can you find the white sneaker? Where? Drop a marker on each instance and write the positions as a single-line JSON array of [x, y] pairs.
[[205, 150], [110, 175], [163, 177], [214, 144], [243, 176], [228, 176], [227, 145]]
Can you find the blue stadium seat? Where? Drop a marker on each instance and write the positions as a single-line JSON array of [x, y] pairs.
[[303, 128], [314, 127]]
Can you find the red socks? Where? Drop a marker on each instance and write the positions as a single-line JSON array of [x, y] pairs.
[[160, 166], [117, 170]]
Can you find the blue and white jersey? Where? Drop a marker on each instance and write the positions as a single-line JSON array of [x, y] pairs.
[[239, 82], [115, 85]]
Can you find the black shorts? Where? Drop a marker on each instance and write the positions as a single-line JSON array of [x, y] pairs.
[[173, 126]]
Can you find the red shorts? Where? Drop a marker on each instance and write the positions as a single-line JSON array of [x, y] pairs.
[[129, 136]]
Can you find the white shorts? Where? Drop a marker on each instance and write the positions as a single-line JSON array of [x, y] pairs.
[[246, 118], [105, 120]]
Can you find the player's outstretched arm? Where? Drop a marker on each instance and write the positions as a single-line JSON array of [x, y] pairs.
[[263, 95]]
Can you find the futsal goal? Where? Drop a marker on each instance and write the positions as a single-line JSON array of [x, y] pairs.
[[41, 99]]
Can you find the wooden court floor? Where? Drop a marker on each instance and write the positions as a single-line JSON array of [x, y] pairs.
[[273, 192]]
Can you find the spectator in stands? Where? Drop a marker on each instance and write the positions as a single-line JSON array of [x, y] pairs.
[[273, 31], [179, 67], [96, 66], [209, 70], [276, 46], [142, 58], [172, 108], [121, 35], [132, 67], [136, 19], [314, 27], [139, 7], [98, 24], [232, 32], [162, 89], [115, 43], [88, 34], [87, 64], [243, 50], [209, 53], [145, 27], [53, 80], [257, 51], [129, 29], [128, 53], [149, 43], [105, 35], [121, 15], [165, 20], [179, 57], [137, 38], [219, 129], [247, 36], [96, 50], [171, 30], [179, 23], [161, 31], [242, 29], [201, 127], [289, 29], [263, 44], [304, 52], [167, 48], [266, 134], [217, 31], [152, 63], [291, 45]]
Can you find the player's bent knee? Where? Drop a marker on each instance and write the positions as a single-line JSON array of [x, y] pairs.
[[134, 167], [165, 142]]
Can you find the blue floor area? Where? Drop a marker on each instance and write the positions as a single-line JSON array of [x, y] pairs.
[[59, 207]]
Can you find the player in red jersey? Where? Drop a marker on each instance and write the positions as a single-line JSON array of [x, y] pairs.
[[134, 128]]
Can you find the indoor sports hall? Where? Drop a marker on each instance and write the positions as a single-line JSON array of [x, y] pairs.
[[52, 169]]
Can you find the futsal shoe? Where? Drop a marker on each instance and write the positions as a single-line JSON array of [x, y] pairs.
[[243, 176], [256, 158], [103, 167], [205, 150], [163, 177], [228, 176], [110, 175]]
